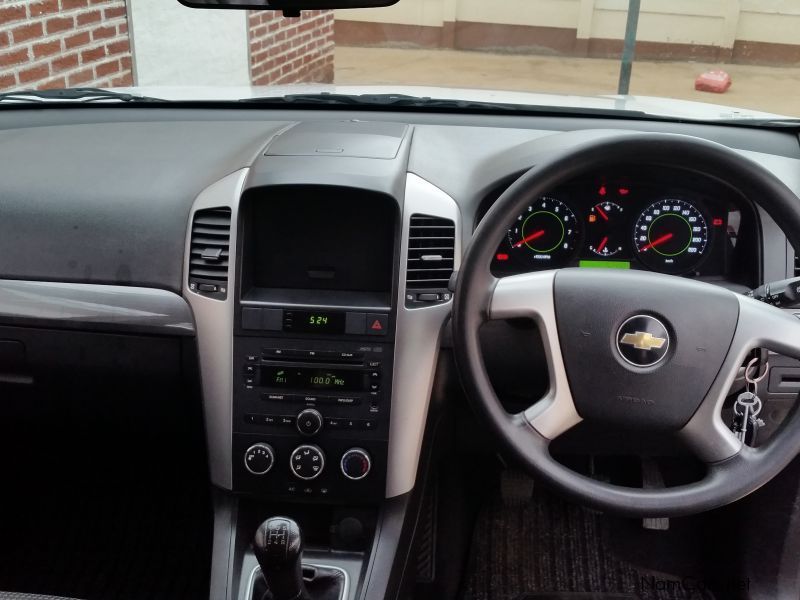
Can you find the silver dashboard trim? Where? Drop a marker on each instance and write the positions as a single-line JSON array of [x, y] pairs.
[[95, 306], [416, 345], [214, 325]]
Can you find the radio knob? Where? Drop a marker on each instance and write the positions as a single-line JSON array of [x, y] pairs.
[[307, 462], [259, 458], [356, 464], [309, 422]]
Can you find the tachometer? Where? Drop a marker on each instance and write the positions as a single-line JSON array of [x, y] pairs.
[[546, 233], [671, 236]]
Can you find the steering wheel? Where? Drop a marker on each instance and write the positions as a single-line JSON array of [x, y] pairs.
[[638, 351]]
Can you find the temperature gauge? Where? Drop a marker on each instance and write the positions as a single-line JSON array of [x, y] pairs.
[[604, 227]]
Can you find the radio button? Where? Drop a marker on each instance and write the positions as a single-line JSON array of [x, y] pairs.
[[375, 374], [333, 423], [286, 420], [309, 422], [307, 462], [249, 369], [259, 459], [374, 387], [374, 364], [275, 397], [348, 401]]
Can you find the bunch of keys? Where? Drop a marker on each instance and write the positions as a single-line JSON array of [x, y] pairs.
[[748, 406]]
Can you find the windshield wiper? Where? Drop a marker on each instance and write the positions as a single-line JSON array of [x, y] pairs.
[[424, 102], [73, 95]]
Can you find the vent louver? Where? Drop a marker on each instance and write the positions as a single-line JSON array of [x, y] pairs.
[[431, 249], [210, 252]]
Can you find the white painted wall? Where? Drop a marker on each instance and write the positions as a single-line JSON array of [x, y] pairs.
[[175, 46]]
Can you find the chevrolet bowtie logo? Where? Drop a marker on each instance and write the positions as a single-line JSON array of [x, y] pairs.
[[641, 340]]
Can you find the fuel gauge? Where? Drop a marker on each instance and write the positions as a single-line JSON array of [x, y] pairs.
[[605, 230]]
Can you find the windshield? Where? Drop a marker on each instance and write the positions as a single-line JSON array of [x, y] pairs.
[[705, 60]]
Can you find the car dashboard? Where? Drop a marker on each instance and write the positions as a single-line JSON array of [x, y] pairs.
[[305, 259]]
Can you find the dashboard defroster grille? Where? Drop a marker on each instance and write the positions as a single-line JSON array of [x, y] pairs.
[[210, 252]]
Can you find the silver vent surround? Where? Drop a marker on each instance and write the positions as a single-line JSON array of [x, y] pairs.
[[417, 342], [214, 326]]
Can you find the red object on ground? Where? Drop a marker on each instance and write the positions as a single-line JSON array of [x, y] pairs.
[[713, 81]]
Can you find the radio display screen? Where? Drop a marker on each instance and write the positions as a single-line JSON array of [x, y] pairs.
[[303, 378]]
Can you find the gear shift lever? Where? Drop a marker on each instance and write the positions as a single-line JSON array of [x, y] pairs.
[[278, 546]]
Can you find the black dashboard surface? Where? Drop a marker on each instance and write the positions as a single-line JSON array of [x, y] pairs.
[[102, 195]]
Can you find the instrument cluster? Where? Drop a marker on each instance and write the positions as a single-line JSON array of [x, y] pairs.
[[624, 222]]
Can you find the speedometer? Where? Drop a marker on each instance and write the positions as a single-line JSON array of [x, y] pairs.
[[671, 236]]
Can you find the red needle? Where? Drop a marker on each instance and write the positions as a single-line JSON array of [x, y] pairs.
[[601, 212], [656, 242], [534, 236], [602, 244]]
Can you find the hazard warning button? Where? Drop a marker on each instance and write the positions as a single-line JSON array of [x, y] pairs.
[[377, 324]]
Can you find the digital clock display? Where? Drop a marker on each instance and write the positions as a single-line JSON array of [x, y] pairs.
[[309, 321], [305, 378]]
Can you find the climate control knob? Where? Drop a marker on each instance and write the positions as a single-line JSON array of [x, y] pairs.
[[307, 462], [356, 464], [259, 458], [309, 422]]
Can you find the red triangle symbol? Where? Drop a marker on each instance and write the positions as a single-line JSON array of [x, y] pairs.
[[376, 326]]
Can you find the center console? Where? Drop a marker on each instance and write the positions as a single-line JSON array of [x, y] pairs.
[[313, 344]]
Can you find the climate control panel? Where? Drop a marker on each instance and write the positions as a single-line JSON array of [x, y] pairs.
[[311, 418]]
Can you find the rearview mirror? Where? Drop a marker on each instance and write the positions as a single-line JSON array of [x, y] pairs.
[[290, 8]]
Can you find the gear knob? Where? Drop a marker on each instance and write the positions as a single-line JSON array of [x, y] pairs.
[[278, 546]]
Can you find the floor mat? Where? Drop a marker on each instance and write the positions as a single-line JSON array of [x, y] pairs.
[[551, 549]]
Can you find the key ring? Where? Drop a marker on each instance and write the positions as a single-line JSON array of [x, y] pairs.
[[749, 366]]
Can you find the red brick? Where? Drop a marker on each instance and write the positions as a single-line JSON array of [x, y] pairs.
[[36, 73], [57, 24], [122, 28], [107, 68], [13, 57], [119, 47], [103, 33], [121, 81], [93, 54], [86, 18], [79, 39], [44, 7], [26, 32], [71, 4], [64, 63], [52, 84], [5, 39], [46, 48], [8, 81], [114, 12], [80, 77], [12, 13], [126, 63]]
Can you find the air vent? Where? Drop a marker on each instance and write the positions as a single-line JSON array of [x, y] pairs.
[[210, 251], [431, 249], [796, 265]]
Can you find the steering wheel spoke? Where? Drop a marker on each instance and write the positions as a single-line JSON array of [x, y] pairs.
[[759, 326], [530, 295]]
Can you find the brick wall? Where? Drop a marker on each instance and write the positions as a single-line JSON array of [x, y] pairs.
[[64, 43], [291, 50]]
